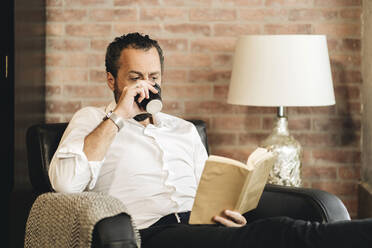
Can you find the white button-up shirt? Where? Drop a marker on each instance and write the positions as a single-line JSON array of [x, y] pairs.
[[153, 170]]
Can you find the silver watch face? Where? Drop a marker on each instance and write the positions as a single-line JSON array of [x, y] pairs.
[[109, 114]]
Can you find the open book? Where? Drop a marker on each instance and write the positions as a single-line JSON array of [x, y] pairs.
[[230, 184]]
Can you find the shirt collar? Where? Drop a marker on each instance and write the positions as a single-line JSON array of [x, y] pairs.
[[160, 118]]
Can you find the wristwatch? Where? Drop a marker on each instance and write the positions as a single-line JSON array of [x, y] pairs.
[[115, 119]]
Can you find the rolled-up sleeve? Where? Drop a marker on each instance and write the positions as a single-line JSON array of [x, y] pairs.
[[70, 171]]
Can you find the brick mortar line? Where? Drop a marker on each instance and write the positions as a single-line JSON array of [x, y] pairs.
[[210, 22], [208, 7]]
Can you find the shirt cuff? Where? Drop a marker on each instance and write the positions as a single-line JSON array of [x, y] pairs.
[[82, 165]]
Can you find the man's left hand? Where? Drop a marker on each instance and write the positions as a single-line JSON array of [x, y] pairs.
[[232, 219]]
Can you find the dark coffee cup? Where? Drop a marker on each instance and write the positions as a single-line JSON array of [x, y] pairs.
[[153, 104]]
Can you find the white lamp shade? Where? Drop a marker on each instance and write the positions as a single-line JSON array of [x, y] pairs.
[[281, 70]]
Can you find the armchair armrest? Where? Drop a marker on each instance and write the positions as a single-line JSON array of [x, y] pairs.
[[299, 203], [68, 220]]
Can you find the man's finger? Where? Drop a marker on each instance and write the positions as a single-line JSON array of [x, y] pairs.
[[237, 217], [148, 87], [153, 89], [141, 93], [225, 221]]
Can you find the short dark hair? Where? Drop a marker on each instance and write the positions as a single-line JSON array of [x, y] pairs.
[[133, 40]]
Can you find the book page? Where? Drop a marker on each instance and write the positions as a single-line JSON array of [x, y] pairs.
[[257, 156], [263, 161], [221, 159]]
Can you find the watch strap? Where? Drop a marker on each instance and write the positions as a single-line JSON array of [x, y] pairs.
[[118, 121]]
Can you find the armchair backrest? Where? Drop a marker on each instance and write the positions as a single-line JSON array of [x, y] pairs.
[[42, 141]]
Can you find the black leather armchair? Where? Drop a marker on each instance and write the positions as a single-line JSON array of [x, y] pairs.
[[300, 203]]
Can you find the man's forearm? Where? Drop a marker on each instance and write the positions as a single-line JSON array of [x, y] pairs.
[[99, 140]]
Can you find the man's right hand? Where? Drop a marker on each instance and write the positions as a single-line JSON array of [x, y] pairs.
[[126, 107]]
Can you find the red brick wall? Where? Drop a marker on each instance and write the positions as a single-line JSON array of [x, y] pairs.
[[198, 38]]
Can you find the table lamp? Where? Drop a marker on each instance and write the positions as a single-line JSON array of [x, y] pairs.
[[282, 71]]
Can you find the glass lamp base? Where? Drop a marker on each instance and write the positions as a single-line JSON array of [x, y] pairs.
[[287, 168]]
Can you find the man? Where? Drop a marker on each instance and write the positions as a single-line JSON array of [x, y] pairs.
[[153, 164]]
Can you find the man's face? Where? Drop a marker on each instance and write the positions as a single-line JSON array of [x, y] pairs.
[[136, 64]]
